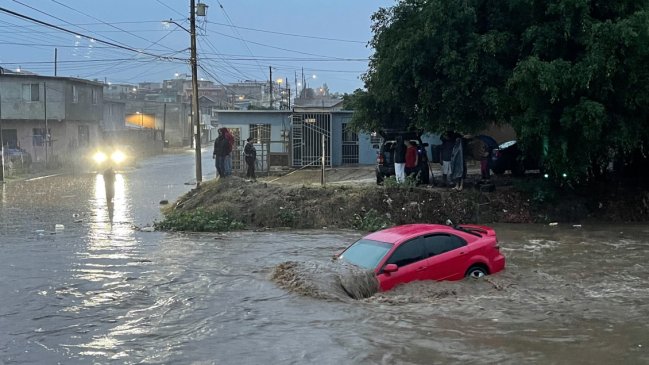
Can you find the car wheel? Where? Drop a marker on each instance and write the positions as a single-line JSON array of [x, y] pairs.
[[476, 272], [498, 171]]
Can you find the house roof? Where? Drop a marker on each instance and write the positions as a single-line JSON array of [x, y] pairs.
[[322, 103], [40, 77]]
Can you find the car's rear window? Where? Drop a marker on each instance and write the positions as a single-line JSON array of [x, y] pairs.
[[366, 253]]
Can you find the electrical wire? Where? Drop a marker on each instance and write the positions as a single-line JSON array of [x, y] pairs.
[[103, 22], [18, 15], [288, 34], [227, 17]]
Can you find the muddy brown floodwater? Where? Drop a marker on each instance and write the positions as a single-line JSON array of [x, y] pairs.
[[108, 293]]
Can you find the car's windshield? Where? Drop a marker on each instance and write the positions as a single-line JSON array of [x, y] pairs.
[[366, 253]]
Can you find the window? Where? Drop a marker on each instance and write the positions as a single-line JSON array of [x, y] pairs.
[[10, 138], [407, 253], [39, 136], [31, 92], [75, 94], [94, 96], [441, 243], [260, 133], [366, 253]]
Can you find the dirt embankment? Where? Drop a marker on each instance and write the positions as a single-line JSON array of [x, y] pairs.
[[266, 204]]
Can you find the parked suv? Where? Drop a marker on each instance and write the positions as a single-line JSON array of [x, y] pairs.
[[385, 156], [509, 157]]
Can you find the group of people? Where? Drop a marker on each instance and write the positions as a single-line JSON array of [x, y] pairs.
[[406, 159], [453, 158], [222, 154]]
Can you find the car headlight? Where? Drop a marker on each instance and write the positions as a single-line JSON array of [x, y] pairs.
[[99, 157], [118, 156]]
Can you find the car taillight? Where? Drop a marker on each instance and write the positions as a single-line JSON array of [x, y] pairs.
[[379, 159]]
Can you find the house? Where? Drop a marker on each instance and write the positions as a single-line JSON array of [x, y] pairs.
[[52, 118], [286, 138]]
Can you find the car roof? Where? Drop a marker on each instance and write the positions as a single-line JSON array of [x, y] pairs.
[[399, 233]]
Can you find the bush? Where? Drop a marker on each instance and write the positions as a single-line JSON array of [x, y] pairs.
[[391, 182], [198, 220], [540, 191], [370, 221]]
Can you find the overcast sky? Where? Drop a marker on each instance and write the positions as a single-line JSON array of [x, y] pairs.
[[238, 40]]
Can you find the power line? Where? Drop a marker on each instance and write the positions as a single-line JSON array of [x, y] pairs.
[[280, 48], [237, 31], [103, 22], [289, 34], [18, 15], [169, 7]]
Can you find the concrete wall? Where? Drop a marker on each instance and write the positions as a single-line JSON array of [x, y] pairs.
[[114, 116], [279, 120], [63, 116]]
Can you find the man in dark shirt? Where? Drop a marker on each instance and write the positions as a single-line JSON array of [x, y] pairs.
[[251, 157], [221, 149]]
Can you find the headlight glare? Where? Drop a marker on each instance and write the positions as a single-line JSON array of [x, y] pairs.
[[118, 156], [99, 157]]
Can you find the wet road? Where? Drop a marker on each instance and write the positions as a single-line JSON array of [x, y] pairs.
[[101, 293]]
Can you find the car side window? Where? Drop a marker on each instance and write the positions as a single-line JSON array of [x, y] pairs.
[[441, 243], [407, 253]]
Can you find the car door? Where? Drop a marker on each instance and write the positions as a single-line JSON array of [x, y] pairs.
[[410, 259], [446, 257]]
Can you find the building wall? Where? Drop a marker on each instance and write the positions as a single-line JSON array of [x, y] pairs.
[[85, 109], [280, 120], [14, 106], [64, 118], [114, 116]]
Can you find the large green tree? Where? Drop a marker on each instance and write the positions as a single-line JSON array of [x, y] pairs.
[[570, 76]]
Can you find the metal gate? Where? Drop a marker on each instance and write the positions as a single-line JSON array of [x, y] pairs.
[[350, 146], [307, 133]]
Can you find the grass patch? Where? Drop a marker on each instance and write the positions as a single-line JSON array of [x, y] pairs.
[[391, 182], [198, 220], [370, 221]]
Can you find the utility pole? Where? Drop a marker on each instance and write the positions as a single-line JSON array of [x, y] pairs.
[[45, 115], [270, 69], [2, 144], [55, 61], [195, 109]]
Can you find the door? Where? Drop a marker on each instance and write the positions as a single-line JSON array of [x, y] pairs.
[[409, 258], [446, 257]]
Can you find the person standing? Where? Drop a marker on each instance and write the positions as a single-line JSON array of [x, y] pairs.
[[251, 158], [412, 159], [109, 184], [458, 165], [447, 151], [400, 160], [228, 157], [221, 148]]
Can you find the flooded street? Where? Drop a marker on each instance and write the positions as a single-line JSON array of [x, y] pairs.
[[96, 292]]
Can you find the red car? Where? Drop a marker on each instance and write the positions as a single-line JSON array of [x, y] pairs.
[[412, 252]]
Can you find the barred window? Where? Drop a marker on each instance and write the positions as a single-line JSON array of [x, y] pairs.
[[260, 133]]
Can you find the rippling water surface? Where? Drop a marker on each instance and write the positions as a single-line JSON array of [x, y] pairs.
[[98, 292]]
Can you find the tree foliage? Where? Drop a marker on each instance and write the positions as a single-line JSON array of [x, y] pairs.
[[570, 76]]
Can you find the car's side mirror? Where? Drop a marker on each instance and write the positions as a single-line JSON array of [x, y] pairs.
[[389, 268]]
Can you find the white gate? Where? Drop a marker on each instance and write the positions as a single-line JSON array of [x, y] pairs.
[[307, 133]]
